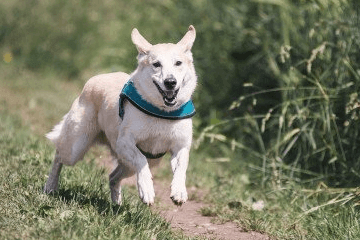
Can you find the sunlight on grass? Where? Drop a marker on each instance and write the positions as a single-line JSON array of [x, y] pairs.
[[33, 95], [7, 57]]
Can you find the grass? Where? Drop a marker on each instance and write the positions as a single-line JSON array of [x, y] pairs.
[[32, 95], [293, 211], [82, 209]]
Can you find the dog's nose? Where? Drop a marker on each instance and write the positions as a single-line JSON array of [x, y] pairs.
[[170, 83]]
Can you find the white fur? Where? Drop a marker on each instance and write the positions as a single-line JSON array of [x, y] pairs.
[[94, 114]]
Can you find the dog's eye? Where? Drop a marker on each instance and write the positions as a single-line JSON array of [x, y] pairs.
[[157, 64], [178, 63]]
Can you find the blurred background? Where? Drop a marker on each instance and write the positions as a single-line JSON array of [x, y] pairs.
[[278, 79]]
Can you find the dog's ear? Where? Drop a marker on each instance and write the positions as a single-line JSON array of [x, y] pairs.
[[142, 45], [188, 40]]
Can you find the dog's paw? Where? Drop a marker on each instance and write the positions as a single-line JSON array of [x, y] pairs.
[[48, 189], [147, 194], [116, 196], [146, 190], [179, 196]]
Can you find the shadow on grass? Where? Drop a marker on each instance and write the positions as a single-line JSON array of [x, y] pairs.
[[131, 212], [84, 197]]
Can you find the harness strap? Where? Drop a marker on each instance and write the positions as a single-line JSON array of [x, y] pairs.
[[150, 155], [129, 93]]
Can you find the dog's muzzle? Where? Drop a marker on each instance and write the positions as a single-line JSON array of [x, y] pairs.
[[169, 95]]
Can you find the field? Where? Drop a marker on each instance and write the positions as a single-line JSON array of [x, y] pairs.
[[275, 151]]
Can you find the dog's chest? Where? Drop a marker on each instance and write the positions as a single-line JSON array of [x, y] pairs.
[[165, 136], [154, 135]]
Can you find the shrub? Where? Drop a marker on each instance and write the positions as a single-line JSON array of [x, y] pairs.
[[301, 106]]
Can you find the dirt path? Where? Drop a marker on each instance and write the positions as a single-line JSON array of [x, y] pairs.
[[187, 217], [192, 223]]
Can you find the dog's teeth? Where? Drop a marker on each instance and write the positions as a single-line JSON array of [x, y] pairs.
[[169, 102]]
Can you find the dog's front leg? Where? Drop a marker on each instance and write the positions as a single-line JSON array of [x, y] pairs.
[[132, 157], [179, 164]]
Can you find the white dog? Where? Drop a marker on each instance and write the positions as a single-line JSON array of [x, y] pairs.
[[152, 116]]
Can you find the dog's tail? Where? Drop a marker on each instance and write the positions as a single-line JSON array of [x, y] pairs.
[[54, 135]]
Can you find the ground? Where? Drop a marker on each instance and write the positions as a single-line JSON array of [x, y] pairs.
[[187, 218]]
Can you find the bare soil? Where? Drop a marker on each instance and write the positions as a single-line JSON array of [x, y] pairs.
[[189, 219]]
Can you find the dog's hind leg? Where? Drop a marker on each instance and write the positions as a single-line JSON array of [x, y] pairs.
[[120, 172], [52, 183], [72, 138]]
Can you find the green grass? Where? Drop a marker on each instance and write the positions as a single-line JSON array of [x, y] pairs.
[[82, 208], [294, 211], [31, 95]]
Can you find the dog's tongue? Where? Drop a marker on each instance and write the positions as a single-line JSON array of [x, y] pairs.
[[169, 98], [170, 94]]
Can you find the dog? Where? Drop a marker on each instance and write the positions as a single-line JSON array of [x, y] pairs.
[[140, 117]]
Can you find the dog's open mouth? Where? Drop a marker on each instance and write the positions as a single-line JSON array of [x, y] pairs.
[[169, 96]]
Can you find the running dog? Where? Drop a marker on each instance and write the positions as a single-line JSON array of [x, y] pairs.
[[140, 117]]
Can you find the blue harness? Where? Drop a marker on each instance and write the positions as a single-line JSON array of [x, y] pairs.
[[129, 93]]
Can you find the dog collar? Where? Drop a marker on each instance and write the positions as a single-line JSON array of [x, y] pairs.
[[129, 92]]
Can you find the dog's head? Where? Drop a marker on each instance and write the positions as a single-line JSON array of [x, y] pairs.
[[165, 75]]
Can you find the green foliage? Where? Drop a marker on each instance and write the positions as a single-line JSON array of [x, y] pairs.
[[290, 212], [300, 119], [72, 38]]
